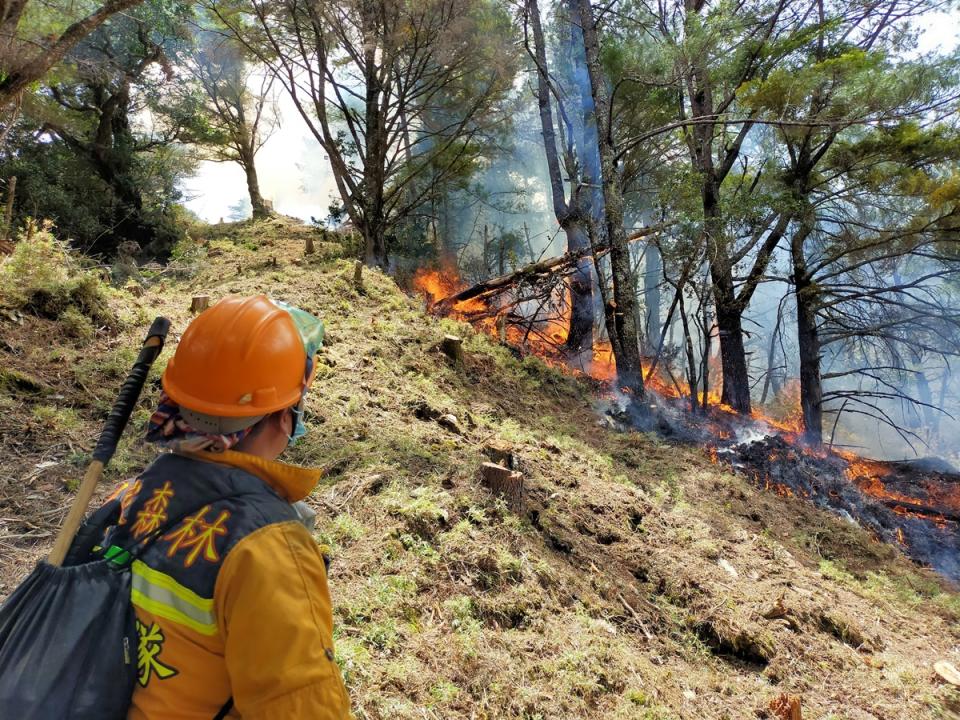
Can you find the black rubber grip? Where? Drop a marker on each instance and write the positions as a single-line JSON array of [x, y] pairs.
[[130, 392]]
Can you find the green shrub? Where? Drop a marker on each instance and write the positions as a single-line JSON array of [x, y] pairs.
[[44, 278]]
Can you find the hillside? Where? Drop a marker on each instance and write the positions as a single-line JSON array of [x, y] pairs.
[[638, 580]]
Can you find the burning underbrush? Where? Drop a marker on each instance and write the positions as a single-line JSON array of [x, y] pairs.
[[912, 504]]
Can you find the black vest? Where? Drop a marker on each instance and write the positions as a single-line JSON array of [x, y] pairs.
[[220, 505]]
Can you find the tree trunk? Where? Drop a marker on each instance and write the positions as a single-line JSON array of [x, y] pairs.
[[375, 147], [653, 272], [260, 211], [629, 370], [376, 246], [733, 357], [580, 337], [569, 215], [808, 339]]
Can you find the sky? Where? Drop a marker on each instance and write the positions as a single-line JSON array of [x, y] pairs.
[[295, 175]]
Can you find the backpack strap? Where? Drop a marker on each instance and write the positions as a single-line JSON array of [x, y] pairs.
[[225, 710], [91, 533]]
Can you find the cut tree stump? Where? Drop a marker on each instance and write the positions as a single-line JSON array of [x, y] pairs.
[[504, 482], [786, 707], [199, 303], [358, 275], [452, 347], [500, 455], [948, 672]]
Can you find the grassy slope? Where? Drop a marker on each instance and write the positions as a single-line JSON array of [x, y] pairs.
[[634, 584]]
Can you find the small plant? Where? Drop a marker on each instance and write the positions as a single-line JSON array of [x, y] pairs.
[[76, 325]]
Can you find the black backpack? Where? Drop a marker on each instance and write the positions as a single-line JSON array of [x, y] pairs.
[[68, 639]]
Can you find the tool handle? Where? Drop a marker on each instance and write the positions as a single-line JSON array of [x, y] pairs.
[[110, 436], [130, 391]]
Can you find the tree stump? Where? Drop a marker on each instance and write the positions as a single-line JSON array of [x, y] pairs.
[[504, 482], [358, 275], [309, 250], [199, 303], [786, 707], [452, 347], [502, 328]]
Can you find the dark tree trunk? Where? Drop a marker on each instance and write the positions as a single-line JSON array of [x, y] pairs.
[[374, 173], [257, 205], [808, 339], [375, 240], [733, 358], [629, 369], [580, 337]]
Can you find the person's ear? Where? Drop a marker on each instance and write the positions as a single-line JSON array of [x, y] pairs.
[[287, 421]]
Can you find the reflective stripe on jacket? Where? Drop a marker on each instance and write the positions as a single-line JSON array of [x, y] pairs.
[[232, 600]]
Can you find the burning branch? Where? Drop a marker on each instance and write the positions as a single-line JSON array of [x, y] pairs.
[[532, 275]]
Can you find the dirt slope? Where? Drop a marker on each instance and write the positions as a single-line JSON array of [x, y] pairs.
[[638, 580]]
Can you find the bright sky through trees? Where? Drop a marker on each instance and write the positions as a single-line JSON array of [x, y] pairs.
[[295, 175]]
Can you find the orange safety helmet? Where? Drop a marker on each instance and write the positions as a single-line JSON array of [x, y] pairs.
[[242, 358]]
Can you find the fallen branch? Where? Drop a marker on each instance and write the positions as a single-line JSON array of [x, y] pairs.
[[533, 273], [928, 511]]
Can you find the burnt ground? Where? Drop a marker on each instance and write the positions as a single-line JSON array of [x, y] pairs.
[[637, 580]]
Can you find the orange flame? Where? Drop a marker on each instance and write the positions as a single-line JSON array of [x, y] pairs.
[[546, 336]]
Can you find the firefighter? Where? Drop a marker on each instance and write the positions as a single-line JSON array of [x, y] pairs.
[[230, 589]]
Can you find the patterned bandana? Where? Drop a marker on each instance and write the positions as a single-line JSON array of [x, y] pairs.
[[167, 426]]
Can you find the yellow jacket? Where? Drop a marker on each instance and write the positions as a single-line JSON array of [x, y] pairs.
[[264, 636]]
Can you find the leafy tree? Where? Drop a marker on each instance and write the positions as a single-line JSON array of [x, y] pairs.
[[872, 194], [120, 73], [401, 95], [33, 39], [236, 112]]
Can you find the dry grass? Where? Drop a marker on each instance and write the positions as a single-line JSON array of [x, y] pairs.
[[639, 581]]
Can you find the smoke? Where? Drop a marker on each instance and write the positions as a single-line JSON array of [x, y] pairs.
[[293, 170]]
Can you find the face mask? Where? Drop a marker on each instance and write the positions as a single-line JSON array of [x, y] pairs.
[[299, 429]]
